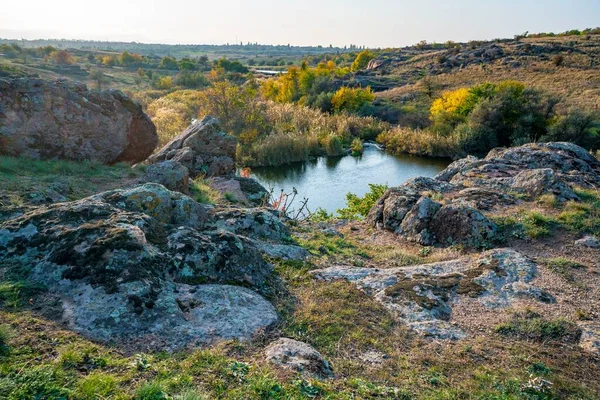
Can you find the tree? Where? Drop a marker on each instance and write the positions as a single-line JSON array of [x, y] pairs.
[[352, 99], [169, 63], [362, 60], [99, 78], [62, 57], [237, 108]]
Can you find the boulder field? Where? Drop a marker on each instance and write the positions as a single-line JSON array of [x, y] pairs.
[[149, 267]]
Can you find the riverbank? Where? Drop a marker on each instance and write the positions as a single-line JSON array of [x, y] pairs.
[[325, 181]]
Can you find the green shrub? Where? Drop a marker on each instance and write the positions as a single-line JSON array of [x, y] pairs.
[[359, 207], [333, 145], [357, 147]]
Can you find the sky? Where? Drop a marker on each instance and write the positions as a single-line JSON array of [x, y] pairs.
[[371, 23]]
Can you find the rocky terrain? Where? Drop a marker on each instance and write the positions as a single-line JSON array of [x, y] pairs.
[[479, 283]]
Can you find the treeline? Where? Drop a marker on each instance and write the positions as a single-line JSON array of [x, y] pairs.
[[168, 49], [477, 119]]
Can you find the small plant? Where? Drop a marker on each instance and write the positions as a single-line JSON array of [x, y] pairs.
[[239, 370], [425, 251], [564, 266], [230, 197], [141, 362], [558, 60], [538, 369], [151, 391], [320, 215], [537, 225], [307, 389], [97, 385], [6, 334], [359, 207]]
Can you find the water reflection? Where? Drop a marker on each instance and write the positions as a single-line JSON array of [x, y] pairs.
[[325, 181]]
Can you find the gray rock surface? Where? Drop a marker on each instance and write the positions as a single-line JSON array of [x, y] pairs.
[[422, 296], [590, 337], [298, 356], [203, 148], [245, 191], [130, 264], [171, 174], [449, 209], [589, 241], [62, 119]]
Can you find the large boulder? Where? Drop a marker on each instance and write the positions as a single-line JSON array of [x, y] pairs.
[[42, 119], [129, 265], [448, 209], [203, 148]]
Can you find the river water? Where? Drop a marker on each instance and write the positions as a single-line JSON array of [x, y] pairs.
[[326, 181]]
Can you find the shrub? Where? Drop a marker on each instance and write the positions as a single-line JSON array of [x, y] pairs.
[[333, 145], [558, 60], [357, 147], [359, 207]]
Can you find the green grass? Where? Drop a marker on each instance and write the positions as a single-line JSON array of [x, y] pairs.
[[26, 180], [97, 385], [202, 192], [564, 267], [583, 216], [537, 225], [530, 325]]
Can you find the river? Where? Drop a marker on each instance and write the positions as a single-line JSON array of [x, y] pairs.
[[326, 181]]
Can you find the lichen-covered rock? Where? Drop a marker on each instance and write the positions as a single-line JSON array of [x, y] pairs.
[[299, 357], [160, 203], [256, 223], [448, 209], [590, 337], [203, 148], [245, 191], [171, 174], [455, 223], [422, 296], [119, 264], [415, 224], [62, 119], [171, 317], [283, 251], [572, 165], [589, 241]]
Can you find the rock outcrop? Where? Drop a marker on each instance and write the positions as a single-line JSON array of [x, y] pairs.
[[422, 296], [146, 265], [203, 148], [450, 209], [298, 357], [41, 119]]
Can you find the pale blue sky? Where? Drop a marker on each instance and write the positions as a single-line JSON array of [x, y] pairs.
[[374, 23]]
